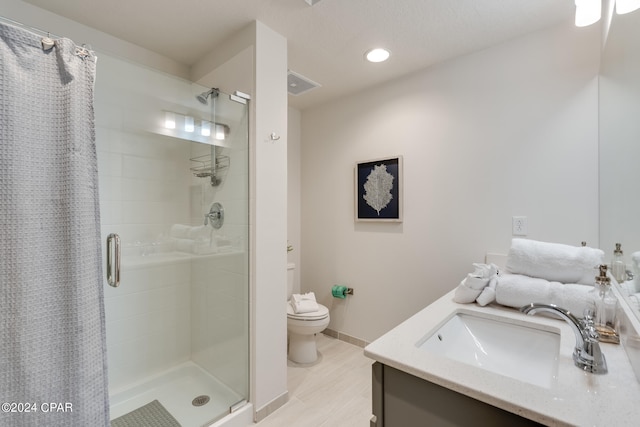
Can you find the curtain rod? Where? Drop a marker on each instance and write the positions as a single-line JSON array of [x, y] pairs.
[[20, 24]]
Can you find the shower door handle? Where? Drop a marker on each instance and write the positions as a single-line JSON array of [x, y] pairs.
[[113, 260]]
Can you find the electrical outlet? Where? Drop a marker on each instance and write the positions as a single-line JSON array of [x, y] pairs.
[[519, 225]]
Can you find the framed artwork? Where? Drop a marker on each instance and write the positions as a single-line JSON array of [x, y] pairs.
[[379, 190]]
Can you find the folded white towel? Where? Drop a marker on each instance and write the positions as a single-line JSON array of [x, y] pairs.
[[199, 232], [515, 290], [635, 265], [628, 287], [304, 303], [472, 285], [182, 231], [554, 262]]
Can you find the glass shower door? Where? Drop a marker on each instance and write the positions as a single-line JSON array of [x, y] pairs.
[[174, 186]]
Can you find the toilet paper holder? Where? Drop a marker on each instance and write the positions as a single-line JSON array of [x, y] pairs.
[[341, 291]]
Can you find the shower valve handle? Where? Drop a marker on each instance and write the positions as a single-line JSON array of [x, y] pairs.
[[215, 216]]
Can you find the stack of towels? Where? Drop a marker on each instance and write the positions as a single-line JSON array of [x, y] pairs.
[[632, 287], [198, 240], [304, 303], [635, 262], [541, 272]]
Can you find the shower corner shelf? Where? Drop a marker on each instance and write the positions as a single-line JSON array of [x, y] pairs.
[[204, 167]]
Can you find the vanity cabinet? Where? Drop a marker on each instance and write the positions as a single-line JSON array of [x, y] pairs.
[[404, 400]]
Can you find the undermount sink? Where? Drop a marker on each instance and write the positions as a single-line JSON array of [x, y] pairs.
[[496, 345]]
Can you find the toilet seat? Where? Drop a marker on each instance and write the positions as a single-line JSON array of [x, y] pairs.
[[322, 313]]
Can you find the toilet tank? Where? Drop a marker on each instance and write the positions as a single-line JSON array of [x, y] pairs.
[[291, 277]]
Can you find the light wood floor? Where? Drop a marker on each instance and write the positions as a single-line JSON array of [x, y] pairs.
[[334, 392]]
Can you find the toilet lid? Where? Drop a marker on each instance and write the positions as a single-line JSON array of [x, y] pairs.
[[314, 315]]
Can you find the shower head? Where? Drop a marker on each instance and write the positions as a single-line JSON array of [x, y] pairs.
[[204, 96]]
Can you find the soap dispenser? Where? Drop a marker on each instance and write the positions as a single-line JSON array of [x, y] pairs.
[[618, 266], [605, 307]]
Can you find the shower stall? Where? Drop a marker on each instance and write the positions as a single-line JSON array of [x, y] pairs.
[[174, 187]]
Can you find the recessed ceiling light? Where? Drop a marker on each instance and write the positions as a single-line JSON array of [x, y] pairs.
[[377, 55]]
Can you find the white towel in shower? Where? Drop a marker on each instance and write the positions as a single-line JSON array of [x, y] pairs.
[[184, 245], [180, 231], [554, 261], [516, 290], [304, 303]]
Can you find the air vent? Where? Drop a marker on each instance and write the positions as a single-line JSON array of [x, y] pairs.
[[297, 84]]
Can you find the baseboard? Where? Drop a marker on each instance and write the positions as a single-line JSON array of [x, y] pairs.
[[270, 407], [345, 337]]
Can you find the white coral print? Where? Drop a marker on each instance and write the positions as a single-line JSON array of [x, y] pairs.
[[378, 188]]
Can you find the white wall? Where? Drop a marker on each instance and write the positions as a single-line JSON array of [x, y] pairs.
[[510, 130], [269, 221], [294, 190]]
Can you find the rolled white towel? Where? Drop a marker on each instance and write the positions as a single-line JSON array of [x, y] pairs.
[[472, 285], [554, 261], [180, 231], [304, 303], [184, 245], [199, 232], [515, 290]]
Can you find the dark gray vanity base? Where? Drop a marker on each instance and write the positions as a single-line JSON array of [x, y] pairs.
[[403, 400]]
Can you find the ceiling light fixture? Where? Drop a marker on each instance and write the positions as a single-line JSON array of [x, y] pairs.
[[189, 125], [205, 128], [193, 129], [588, 12], [626, 6], [377, 55], [169, 120]]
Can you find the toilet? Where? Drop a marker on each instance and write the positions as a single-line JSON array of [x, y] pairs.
[[302, 328]]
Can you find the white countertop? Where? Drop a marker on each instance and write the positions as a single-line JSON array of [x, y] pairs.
[[575, 398]]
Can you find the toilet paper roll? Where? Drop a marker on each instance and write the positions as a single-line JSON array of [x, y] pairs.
[[339, 291]]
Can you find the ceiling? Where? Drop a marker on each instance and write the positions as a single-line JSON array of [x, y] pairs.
[[327, 41]]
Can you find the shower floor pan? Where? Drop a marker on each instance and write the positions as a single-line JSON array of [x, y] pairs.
[[176, 389]]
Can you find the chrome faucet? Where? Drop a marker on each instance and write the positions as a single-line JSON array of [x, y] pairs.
[[587, 354]]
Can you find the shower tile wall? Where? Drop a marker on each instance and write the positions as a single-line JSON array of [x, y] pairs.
[[219, 294], [170, 308], [142, 179]]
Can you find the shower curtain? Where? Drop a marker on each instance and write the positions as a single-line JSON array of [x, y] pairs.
[[52, 326]]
